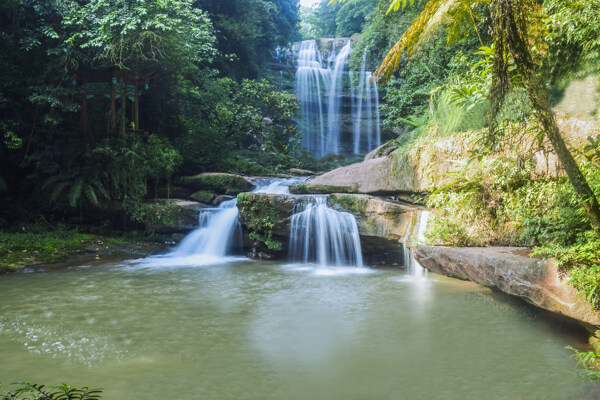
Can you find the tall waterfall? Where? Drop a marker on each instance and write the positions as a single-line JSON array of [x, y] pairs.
[[325, 236], [337, 115]]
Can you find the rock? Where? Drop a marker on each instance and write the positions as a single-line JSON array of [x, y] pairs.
[[220, 199], [219, 182], [535, 281], [171, 215], [267, 219], [388, 175], [203, 196], [384, 150], [376, 217], [300, 172]]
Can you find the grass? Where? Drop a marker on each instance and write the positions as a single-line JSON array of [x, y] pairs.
[[34, 245]]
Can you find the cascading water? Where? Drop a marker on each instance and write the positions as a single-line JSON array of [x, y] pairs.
[[319, 234], [219, 231], [311, 81], [415, 234], [322, 80], [366, 98], [334, 102]]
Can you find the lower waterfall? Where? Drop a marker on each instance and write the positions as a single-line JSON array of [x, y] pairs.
[[321, 235]]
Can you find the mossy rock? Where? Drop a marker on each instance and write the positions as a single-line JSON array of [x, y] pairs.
[[203, 196], [266, 217], [221, 183], [170, 216]]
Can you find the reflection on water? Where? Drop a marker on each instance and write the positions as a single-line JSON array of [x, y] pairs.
[[254, 330]]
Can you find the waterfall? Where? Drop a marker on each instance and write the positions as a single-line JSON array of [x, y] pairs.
[[321, 81], [415, 235], [219, 233], [311, 80], [325, 236], [334, 102], [367, 95]]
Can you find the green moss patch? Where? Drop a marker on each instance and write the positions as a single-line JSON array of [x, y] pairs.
[[260, 218]]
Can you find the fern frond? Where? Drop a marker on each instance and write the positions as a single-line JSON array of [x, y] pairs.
[[75, 193], [91, 195], [101, 189], [58, 189]]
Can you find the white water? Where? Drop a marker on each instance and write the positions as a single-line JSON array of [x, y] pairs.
[[219, 233], [334, 103], [321, 81], [325, 236]]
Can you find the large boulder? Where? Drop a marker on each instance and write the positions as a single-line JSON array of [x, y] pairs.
[[219, 182], [508, 269], [377, 176], [171, 215]]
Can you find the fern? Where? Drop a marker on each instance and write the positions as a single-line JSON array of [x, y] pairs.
[[33, 391]]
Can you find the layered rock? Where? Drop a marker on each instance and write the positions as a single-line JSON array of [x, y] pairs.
[[506, 268]]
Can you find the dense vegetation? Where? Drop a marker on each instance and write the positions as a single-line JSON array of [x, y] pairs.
[[68, 149]]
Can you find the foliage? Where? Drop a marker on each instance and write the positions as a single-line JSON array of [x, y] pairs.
[[33, 391], [329, 19], [588, 363], [248, 31], [135, 34]]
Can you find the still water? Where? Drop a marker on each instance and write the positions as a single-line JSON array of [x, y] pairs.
[[254, 330]]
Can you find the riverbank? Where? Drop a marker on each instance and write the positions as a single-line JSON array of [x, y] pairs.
[[35, 248]]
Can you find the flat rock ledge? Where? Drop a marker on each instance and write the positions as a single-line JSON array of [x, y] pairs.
[[509, 270]]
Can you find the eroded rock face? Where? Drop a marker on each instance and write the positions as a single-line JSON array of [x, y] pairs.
[[535, 281]]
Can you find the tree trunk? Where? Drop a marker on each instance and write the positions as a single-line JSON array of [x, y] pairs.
[[516, 43]]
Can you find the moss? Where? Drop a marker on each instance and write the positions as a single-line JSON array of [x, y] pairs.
[[158, 216], [203, 196], [352, 203], [260, 218]]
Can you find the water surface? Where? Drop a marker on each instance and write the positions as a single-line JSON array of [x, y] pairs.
[[255, 330]]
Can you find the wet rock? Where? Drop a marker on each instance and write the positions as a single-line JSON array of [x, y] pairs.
[[505, 268], [219, 182]]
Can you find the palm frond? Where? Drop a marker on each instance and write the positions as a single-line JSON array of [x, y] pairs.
[[75, 193], [455, 15]]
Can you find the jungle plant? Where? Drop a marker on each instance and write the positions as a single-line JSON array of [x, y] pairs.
[[34, 391]]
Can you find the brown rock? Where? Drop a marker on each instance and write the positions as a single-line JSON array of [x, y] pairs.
[[535, 281]]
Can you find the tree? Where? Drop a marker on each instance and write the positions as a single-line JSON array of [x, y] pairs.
[[516, 25]]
